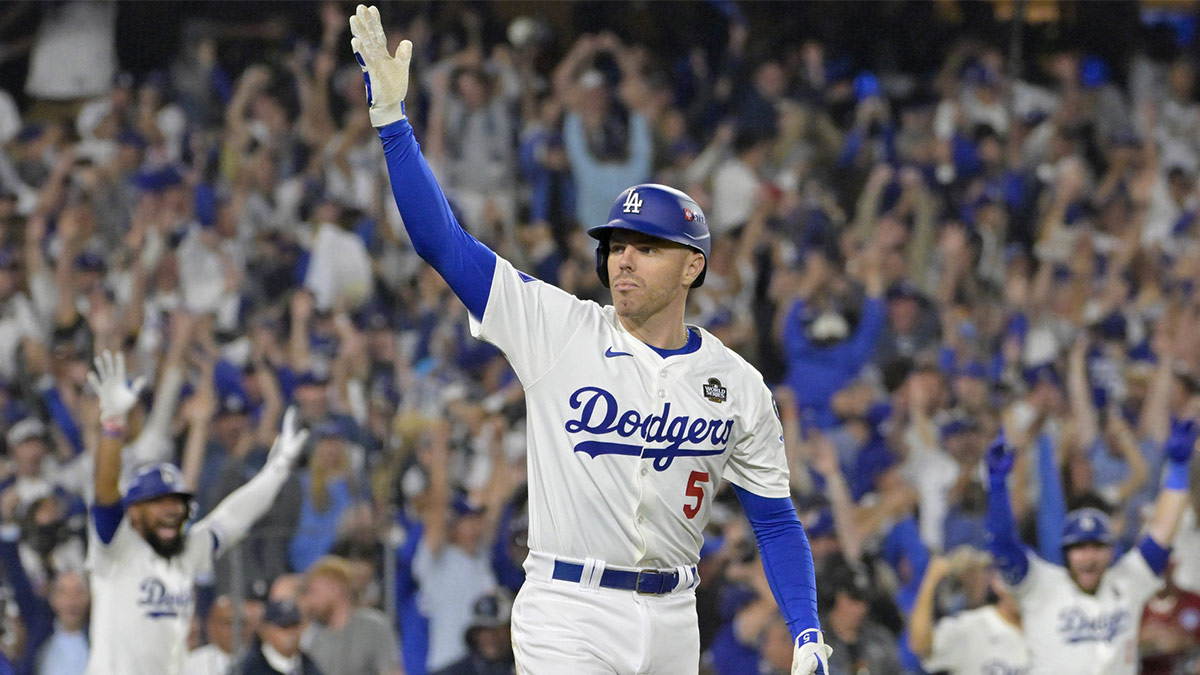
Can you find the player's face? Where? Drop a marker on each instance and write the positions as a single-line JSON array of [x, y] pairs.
[[1086, 564], [647, 274], [160, 521]]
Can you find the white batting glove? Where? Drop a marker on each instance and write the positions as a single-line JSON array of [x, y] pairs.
[[808, 654], [117, 397], [287, 444], [386, 76]]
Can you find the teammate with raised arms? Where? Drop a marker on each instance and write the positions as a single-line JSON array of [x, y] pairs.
[[143, 561], [1085, 617]]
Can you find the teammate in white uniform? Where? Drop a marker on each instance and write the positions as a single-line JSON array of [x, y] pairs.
[[143, 563], [635, 420], [1084, 619], [986, 640]]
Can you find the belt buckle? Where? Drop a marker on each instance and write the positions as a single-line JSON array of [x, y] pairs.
[[637, 588]]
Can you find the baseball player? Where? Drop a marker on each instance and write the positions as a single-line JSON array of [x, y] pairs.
[[635, 419], [1085, 618], [143, 561], [985, 640]]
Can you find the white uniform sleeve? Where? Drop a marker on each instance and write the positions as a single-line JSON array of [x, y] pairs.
[[758, 463], [102, 557], [529, 320], [200, 551], [949, 639], [1133, 575], [1040, 577]]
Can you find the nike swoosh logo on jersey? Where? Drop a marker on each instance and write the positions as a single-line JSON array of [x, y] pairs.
[[611, 354]]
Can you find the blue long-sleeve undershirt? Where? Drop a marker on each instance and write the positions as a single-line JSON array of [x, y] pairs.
[[1006, 548], [1052, 506], [61, 416], [786, 558], [465, 263]]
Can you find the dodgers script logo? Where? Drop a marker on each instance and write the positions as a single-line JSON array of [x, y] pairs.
[[158, 602], [1076, 626], [600, 414]]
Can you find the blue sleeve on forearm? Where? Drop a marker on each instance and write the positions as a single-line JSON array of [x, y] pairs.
[[786, 558], [869, 328], [1156, 556], [1052, 506], [106, 519], [465, 263], [62, 418], [1006, 548]]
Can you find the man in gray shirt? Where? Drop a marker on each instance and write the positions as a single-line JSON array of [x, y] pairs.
[[345, 639]]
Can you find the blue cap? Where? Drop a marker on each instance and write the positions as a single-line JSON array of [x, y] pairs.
[[465, 507], [233, 403], [1084, 526], [822, 525], [866, 85], [156, 180], [206, 203], [959, 424], [90, 261], [328, 429], [903, 289], [154, 481], [312, 378], [132, 138], [1093, 72], [282, 613], [978, 74], [973, 368], [1045, 372]]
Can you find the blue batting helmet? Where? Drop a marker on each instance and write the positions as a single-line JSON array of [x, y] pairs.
[[658, 211], [1084, 526], [153, 481]]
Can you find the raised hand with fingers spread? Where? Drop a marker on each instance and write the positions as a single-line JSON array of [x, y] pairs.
[[385, 75]]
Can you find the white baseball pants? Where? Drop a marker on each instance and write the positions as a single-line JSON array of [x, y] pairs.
[[566, 627]]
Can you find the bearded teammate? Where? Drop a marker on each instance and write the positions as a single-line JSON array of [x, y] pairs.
[[1084, 619], [635, 419], [143, 563]]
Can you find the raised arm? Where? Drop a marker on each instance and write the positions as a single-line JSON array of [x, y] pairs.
[[232, 518], [920, 627], [465, 263], [1006, 548], [117, 398], [1173, 499]]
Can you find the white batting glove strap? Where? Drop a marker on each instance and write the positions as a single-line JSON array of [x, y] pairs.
[[117, 397], [287, 444], [385, 75], [809, 652]]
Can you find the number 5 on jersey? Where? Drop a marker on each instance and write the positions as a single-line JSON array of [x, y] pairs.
[[694, 490]]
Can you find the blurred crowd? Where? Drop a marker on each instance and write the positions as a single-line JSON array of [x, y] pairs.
[[913, 260]]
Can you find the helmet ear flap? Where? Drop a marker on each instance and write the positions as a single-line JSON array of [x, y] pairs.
[[602, 262]]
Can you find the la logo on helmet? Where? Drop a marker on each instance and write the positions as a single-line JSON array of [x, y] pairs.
[[633, 203]]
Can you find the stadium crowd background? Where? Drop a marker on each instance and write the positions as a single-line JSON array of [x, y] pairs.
[[915, 238]]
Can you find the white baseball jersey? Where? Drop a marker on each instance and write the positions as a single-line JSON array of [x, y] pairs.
[[141, 602], [978, 642], [1070, 631], [626, 448]]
